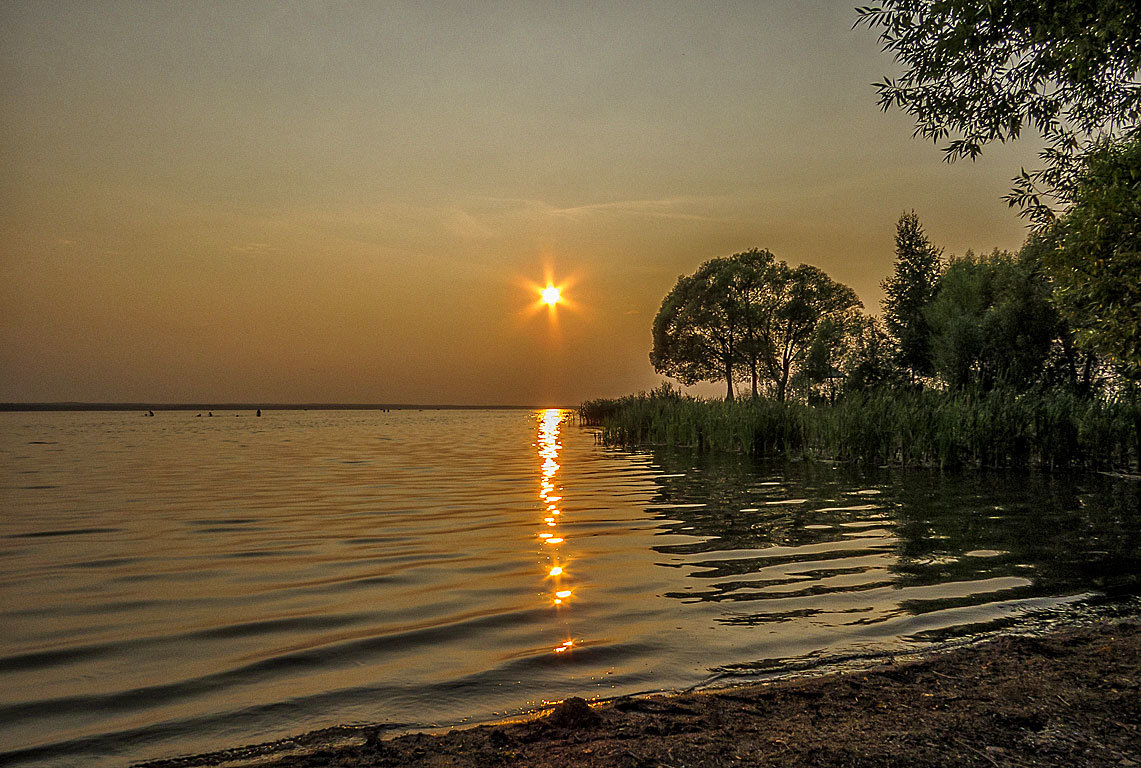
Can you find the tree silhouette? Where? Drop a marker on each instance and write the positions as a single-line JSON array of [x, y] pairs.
[[699, 328], [802, 297], [745, 311], [908, 291]]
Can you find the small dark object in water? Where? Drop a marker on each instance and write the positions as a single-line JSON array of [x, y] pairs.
[[574, 713]]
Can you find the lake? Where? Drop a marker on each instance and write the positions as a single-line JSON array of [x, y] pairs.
[[179, 584]]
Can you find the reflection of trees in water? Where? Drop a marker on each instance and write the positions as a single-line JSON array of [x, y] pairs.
[[728, 484], [937, 541], [1067, 534]]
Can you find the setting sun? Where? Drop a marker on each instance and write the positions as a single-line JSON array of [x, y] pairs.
[[551, 295]]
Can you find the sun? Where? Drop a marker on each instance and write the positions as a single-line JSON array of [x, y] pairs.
[[556, 297], [552, 295]]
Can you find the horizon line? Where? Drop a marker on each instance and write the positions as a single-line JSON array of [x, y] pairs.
[[79, 405]]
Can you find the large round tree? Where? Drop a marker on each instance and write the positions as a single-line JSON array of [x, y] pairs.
[[700, 328], [744, 314]]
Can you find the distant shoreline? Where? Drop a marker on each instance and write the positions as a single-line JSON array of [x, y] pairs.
[[145, 406]]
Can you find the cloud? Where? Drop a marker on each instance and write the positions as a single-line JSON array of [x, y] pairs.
[[464, 225], [680, 209], [714, 208], [255, 249]]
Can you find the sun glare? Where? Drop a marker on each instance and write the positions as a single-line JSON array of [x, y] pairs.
[[551, 296]]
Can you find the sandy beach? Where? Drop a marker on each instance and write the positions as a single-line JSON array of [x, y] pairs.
[[1068, 698]]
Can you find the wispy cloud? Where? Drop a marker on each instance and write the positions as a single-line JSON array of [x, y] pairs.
[[255, 249], [714, 209]]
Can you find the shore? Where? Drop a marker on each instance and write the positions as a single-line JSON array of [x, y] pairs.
[[1065, 699]]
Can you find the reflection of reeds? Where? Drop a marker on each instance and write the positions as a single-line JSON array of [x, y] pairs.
[[1051, 430]]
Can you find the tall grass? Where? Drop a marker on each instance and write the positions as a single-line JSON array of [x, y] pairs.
[[1050, 429]]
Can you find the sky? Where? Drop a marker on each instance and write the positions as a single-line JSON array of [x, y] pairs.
[[356, 202]]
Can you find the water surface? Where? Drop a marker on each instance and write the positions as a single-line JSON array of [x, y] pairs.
[[179, 584]]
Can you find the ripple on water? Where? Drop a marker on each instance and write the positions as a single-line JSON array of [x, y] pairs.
[[182, 585]]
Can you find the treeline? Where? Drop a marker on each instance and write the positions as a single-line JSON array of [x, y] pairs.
[[975, 361], [1005, 359], [973, 323]]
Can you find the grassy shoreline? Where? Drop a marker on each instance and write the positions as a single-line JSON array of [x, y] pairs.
[[1051, 430]]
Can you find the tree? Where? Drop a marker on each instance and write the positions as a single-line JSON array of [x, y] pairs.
[[802, 298], [868, 362], [745, 311], [908, 291], [978, 72], [1093, 255], [749, 274], [700, 328], [686, 348], [820, 373], [1070, 364], [992, 322]]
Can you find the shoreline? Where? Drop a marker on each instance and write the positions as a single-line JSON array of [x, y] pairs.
[[1071, 696]]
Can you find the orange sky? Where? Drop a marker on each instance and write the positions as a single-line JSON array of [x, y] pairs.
[[345, 202]]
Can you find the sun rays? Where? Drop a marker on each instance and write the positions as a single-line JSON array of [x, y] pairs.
[[551, 295]]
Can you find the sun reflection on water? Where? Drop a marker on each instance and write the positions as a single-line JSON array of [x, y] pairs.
[[553, 561]]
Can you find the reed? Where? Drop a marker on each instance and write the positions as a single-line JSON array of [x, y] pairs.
[[1050, 429]]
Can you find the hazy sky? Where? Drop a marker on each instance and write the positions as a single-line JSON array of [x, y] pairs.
[[304, 201]]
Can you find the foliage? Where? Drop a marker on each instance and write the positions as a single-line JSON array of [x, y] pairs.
[[867, 362], [596, 413], [1093, 255], [977, 72], [682, 348], [750, 275], [907, 293], [820, 367], [709, 320], [992, 322], [809, 308], [747, 312]]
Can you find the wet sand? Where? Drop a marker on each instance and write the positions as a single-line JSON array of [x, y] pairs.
[[1071, 698]]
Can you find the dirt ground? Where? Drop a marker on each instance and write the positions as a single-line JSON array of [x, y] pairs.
[[1068, 699]]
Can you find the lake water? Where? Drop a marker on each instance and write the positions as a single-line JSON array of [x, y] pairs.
[[178, 584]]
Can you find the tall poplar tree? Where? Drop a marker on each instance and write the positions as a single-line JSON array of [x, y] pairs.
[[908, 291]]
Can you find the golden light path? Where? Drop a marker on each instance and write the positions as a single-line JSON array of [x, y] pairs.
[[554, 563]]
